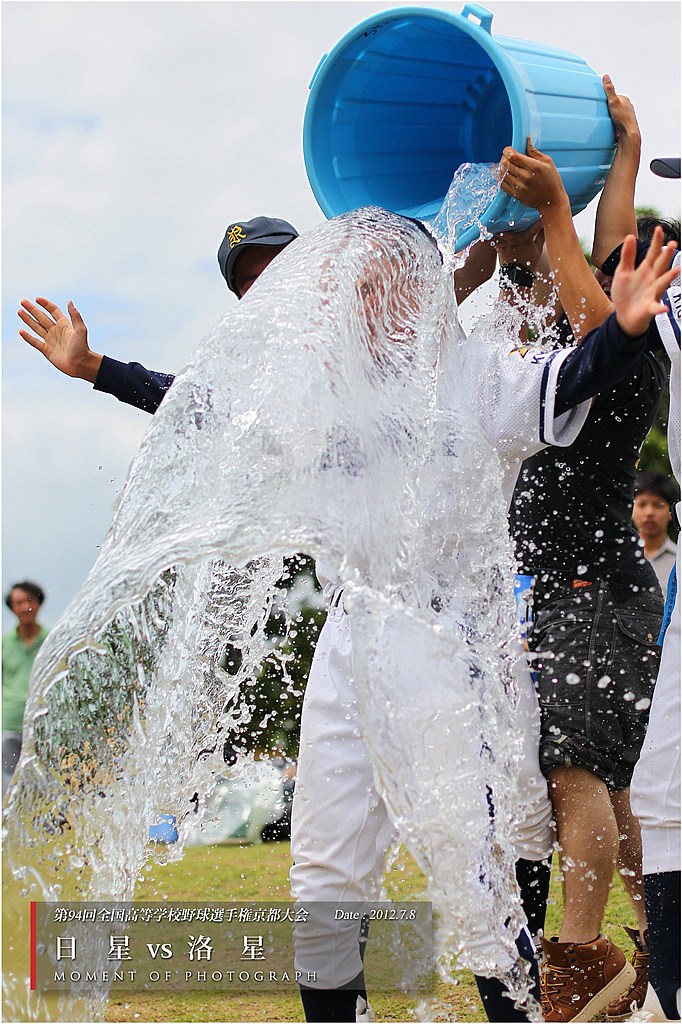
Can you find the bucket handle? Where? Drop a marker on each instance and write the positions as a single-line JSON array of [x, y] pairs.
[[485, 17]]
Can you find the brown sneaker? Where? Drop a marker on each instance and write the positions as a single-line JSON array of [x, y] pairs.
[[624, 1006], [579, 980]]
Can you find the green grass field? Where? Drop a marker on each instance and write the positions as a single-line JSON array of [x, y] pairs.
[[233, 873]]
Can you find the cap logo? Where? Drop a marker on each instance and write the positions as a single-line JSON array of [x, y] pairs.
[[235, 235]]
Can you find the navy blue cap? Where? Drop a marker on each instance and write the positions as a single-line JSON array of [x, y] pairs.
[[259, 231], [610, 264]]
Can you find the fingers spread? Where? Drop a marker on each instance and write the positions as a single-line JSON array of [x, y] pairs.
[[26, 314], [32, 341], [627, 253], [45, 321], [662, 262], [76, 318], [51, 307], [669, 278]]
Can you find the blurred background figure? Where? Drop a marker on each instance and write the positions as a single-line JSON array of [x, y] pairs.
[[19, 648], [655, 493]]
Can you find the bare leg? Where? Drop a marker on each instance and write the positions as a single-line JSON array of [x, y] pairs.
[[630, 854], [588, 838]]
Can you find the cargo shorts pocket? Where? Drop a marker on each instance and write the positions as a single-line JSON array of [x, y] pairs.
[[642, 627], [633, 665]]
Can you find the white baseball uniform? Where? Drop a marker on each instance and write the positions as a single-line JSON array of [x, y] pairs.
[[341, 826]]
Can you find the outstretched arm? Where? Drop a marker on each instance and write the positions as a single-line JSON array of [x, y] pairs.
[[63, 340], [533, 179], [616, 215]]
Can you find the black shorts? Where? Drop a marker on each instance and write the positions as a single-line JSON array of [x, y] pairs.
[[596, 661]]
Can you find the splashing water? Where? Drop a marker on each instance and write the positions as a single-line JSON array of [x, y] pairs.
[[472, 190], [338, 412]]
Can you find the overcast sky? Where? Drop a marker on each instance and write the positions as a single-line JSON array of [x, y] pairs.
[[132, 134]]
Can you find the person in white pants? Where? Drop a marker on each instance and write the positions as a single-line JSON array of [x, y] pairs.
[[341, 826]]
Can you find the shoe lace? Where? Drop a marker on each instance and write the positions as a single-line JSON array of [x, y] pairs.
[[552, 982], [641, 959], [640, 962]]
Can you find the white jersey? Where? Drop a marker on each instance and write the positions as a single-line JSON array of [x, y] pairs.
[[508, 392], [512, 391]]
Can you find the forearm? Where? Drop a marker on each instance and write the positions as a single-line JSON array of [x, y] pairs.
[[616, 215], [581, 296], [132, 384], [600, 363], [478, 268]]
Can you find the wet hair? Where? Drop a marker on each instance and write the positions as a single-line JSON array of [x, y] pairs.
[[31, 588], [662, 486], [646, 226]]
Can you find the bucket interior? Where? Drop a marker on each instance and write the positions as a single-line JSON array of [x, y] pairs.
[[398, 110]]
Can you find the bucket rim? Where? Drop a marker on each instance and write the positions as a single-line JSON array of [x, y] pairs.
[[506, 67]]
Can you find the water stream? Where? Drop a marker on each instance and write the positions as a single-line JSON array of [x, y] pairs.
[[334, 412]]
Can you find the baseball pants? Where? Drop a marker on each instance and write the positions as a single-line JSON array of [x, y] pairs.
[[341, 829]]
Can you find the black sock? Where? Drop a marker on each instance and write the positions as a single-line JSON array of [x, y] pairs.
[[533, 879], [497, 1005], [662, 907], [322, 1005], [363, 937]]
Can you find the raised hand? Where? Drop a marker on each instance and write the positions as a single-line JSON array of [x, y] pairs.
[[616, 216], [63, 340], [636, 293], [622, 113]]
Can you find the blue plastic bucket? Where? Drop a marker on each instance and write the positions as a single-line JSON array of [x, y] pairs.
[[409, 95]]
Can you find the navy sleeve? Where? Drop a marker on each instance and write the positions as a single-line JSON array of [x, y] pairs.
[[133, 384], [599, 363]]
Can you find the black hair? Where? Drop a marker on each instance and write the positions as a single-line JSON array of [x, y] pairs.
[[646, 226], [31, 588], [662, 486]]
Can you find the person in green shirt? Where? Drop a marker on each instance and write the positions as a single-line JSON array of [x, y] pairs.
[[19, 648]]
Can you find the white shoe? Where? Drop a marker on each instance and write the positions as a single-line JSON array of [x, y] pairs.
[[364, 1013], [651, 1009]]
